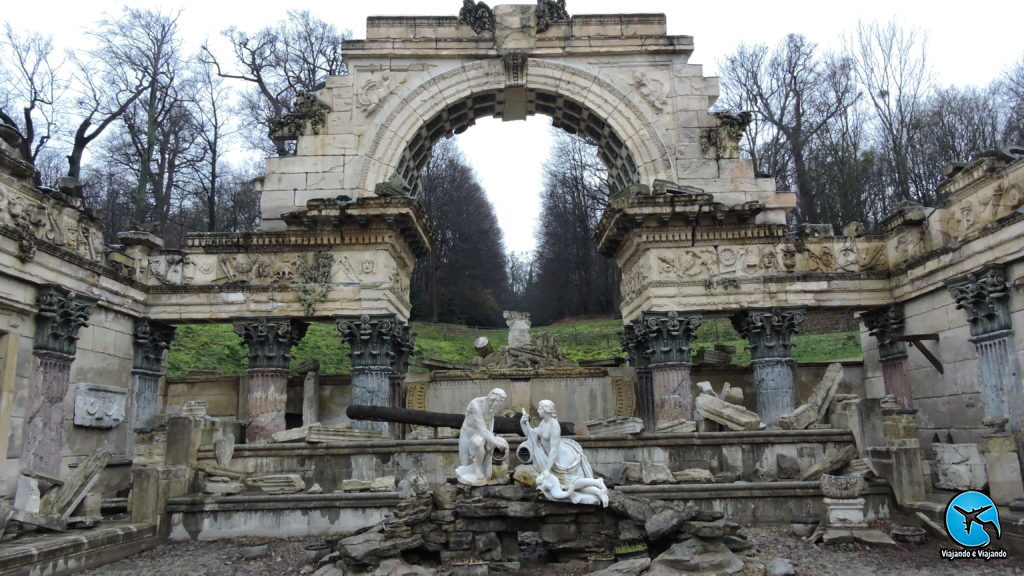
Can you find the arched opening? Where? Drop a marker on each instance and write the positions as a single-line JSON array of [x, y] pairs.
[[565, 113]]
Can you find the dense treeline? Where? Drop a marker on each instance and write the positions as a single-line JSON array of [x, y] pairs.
[[143, 130], [464, 278], [855, 132]]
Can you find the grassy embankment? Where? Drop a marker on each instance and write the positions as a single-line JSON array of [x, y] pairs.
[[216, 347]]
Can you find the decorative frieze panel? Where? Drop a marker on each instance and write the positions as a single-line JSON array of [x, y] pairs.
[[270, 341], [769, 332], [376, 89], [98, 406], [985, 297], [60, 316], [34, 218], [886, 324]]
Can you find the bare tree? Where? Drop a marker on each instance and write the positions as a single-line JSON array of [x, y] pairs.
[[796, 92], [211, 115], [1012, 91], [296, 55], [34, 85], [892, 70]]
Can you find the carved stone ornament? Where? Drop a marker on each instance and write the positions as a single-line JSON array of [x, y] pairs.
[[308, 111], [668, 336], [377, 341], [58, 320], [515, 62], [723, 141], [549, 12], [650, 89], [769, 332], [376, 89], [634, 341], [151, 339], [886, 323], [313, 281], [477, 16], [98, 406], [270, 341], [985, 297]]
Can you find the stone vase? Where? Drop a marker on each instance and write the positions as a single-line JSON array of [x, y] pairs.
[[842, 487]]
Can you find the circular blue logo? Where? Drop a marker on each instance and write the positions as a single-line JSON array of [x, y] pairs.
[[972, 520]]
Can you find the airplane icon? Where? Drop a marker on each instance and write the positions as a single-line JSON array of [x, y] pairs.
[[972, 518]]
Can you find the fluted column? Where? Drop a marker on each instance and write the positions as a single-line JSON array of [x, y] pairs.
[[60, 316], [151, 339], [380, 347], [985, 297], [270, 344], [634, 341], [769, 333], [886, 324]]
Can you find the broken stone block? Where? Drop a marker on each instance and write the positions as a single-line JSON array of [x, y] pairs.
[[632, 473], [61, 501], [352, 485], [694, 476], [224, 449], [98, 406], [696, 556], [278, 483], [383, 484], [615, 425], [830, 464], [656, 473], [729, 415], [631, 567], [786, 467], [666, 522], [813, 411], [1002, 466], [292, 434], [959, 467], [194, 408], [680, 426], [845, 512], [222, 485]]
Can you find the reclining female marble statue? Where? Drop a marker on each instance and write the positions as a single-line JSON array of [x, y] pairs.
[[477, 440], [563, 471]]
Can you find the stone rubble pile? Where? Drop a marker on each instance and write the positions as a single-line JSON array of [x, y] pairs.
[[479, 530]]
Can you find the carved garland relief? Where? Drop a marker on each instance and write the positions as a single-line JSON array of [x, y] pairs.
[[42, 222]]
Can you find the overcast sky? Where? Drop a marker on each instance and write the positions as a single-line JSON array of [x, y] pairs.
[[968, 44]]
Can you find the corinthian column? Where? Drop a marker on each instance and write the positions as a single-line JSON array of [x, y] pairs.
[[379, 347], [634, 341], [60, 316], [270, 345], [151, 339], [771, 356], [668, 337], [886, 324]]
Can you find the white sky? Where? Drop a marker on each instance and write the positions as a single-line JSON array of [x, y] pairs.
[[968, 44]]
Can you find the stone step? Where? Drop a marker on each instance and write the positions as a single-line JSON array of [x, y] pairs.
[[74, 551]]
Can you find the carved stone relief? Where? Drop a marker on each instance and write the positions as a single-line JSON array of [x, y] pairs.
[[98, 406], [376, 89], [633, 281], [650, 89], [49, 222]]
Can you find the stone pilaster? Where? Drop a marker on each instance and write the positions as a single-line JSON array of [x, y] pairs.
[[634, 341], [151, 339], [985, 297], [769, 333], [60, 316], [380, 347], [668, 339], [886, 324], [270, 344]]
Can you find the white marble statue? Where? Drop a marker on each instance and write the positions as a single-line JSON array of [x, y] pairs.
[[477, 440], [563, 472]]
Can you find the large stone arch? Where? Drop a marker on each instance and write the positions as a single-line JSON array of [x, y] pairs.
[[576, 99]]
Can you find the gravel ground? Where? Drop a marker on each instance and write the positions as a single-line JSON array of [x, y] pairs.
[[224, 558]]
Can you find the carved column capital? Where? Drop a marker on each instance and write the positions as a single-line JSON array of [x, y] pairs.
[[886, 323], [769, 331], [60, 316], [634, 341], [668, 336], [270, 341], [377, 341], [151, 338], [985, 297]]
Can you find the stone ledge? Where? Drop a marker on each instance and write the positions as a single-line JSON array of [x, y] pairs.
[[56, 554], [282, 502], [739, 490]]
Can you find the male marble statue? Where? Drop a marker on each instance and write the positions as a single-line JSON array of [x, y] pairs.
[[563, 471], [477, 440]]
